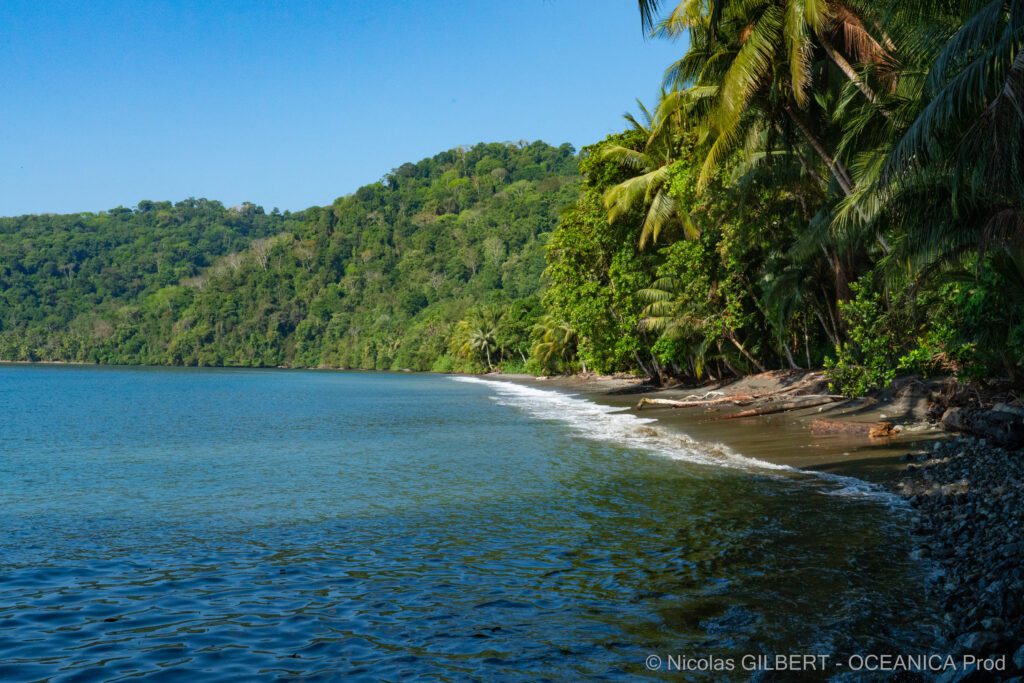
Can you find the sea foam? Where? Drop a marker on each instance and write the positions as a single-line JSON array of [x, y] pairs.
[[609, 424]]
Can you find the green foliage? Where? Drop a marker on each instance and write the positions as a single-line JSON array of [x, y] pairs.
[[554, 347], [824, 181], [868, 359], [380, 279], [594, 273], [692, 308], [971, 324], [811, 146], [976, 320]]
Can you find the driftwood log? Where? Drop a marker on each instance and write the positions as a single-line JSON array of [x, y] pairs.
[[876, 430], [740, 399], [799, 403], [695, 401]]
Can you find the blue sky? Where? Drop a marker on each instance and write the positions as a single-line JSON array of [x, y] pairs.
[[291, 104]]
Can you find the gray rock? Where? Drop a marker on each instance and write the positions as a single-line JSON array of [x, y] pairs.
[[977, 642], [1018, 658], [993, 624], [966, 675], [953, 419]]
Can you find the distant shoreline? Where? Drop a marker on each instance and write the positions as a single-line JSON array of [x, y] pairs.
[[942, 478], [787, 438]]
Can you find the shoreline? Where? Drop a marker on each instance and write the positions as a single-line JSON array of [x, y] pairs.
[[967, 501], [830, 438], [841, 447], [965, 496]]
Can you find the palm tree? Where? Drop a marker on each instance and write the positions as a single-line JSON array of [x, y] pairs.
[[648, 190], [673, 314], [837, 27], [477, 336], [555, 343], [972, 120], [952, 181], [761, 57]]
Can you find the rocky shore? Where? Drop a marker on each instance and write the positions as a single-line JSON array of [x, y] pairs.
[[966, 489], [968, 498]]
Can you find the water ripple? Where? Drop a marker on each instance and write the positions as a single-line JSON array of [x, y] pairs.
[[482, 544]]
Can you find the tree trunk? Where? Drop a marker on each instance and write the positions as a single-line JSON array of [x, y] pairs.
[[669, 403], [736, 342], [832, 336], [658, 369], [695, 401], [811, 402], [807, 341], [789, 357], [837, 169], [643, 367], [832, 308], [842, 279], [840, 61]]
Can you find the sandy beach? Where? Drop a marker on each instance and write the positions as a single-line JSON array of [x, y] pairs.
[[831, 438]]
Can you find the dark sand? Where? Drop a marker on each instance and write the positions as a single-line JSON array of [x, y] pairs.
[[783, 438]]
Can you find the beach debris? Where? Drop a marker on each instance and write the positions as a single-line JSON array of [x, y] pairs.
[[713, 398], [740, 399], [795, 403], [882, 430], [876, 430]]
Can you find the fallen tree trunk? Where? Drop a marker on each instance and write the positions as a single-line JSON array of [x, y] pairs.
[[694, 401], [811, 402], [875, 430], [671, 403]]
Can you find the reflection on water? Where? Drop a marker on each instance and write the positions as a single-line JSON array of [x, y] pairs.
[[240, 525]]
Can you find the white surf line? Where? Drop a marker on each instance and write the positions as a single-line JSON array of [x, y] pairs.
[[607, 423]]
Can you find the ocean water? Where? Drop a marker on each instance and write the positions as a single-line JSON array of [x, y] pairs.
[[174, 524]]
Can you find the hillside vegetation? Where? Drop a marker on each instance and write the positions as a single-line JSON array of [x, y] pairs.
[[380, 279], [821, 184]]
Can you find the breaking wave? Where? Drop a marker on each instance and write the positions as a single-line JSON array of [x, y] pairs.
[[609, 424]]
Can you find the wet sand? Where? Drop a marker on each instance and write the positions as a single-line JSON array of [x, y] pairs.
[[782, 438]]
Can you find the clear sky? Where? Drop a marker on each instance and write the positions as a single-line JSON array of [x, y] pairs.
[[291, 104]]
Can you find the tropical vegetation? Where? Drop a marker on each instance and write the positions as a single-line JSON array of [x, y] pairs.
[[437, 266], [822, 183]]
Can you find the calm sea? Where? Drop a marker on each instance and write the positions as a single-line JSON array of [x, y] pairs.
[[255, 525]]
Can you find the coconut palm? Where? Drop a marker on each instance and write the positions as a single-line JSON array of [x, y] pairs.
[[763, 58], [476, 337], [953, 179], [648, 190], [796, 26], [555, 342], [675, 315]]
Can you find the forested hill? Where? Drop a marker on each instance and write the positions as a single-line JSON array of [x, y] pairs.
[[379, 279]]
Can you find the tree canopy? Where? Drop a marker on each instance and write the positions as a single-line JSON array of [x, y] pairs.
[[822, 183], [379, 279]]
